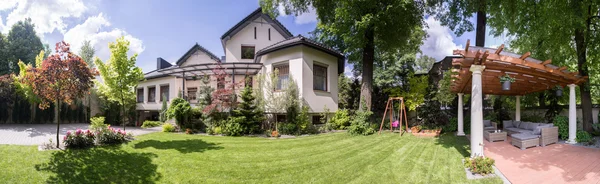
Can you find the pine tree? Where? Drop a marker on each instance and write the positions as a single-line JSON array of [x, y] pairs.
[[248, 109], [163, 110]]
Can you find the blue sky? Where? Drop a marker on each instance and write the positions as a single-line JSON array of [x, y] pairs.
[[168, 29]]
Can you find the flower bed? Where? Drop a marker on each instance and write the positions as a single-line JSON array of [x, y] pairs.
[[427, 133], [103, 136]]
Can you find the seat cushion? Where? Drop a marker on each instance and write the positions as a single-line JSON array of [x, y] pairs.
[[516, 124], [524, 136], [487, 123], [513, 129], [489, 128], [524, 125], [532, 126], [507, 124]]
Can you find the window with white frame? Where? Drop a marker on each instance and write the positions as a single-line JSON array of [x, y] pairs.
[[140, 95], [192, 93], [319, 77], [151, 94], [164, 92], [283, 76]]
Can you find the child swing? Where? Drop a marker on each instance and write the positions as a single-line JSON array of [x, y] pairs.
[[396, 119]]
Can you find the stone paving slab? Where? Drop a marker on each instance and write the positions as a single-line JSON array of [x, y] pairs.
[[36, 134]]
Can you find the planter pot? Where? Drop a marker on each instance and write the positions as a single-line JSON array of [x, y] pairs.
[[559, 92], [506, 85]]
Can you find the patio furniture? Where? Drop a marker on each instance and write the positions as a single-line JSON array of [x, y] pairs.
[[492, 135], [547, 133], [489, 125], [525, 140]]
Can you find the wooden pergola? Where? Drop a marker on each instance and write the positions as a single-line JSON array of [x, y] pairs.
[[478, 72]]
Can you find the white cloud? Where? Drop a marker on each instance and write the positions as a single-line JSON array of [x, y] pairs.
[[348, 70], [47, 15], [91, 30], [304, 18], [439, 42]]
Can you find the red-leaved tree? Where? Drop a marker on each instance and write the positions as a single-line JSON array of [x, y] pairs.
[[62, 78], [224, 97]]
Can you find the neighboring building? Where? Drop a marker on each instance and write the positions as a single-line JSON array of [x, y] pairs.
[[256, 45], [436, 73]]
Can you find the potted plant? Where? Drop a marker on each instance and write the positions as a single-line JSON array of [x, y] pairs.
[[559, 90], [505, 81]]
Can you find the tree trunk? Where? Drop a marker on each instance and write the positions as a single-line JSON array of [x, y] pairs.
[[542, 100], [481, 23], [367, 69], [33, 112], [584, 89], [57, 119]]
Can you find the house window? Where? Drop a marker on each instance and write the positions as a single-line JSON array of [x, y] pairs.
[[221, 83], [164, 93], [248, 82], [281, 118], [319, 78], [269, 34], [283, 76], [247, 52], [316, 119], [151, 94], [255, 33], [140, 95], [192, 93]]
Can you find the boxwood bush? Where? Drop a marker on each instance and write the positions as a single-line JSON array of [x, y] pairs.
[[480, 165], [150, 124], [562, 122]]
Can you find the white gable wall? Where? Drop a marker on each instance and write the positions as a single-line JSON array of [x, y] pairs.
[[233, 46], [198, 57]]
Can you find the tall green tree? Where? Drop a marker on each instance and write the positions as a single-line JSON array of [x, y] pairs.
[[364, 27], [423, 64], [456, 14], [23, 44], [249, 109], [4, 57], [564, 31], [120, 75], [87, 52]]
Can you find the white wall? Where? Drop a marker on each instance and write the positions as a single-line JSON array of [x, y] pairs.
[[316, 99], [300, 60], [174, 86], [564, 112], [233, 47], [198, 57]]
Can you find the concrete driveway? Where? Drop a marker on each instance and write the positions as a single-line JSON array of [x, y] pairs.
[[36, 134]]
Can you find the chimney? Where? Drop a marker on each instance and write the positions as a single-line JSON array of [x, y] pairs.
[[223, 59], [161, 63]]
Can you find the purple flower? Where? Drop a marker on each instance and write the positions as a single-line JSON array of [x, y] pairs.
[[68, 133], [78, 132]]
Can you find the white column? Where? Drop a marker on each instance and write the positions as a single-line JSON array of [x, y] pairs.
[[572, 114], [476, 111], [461, 130], [518, 109]]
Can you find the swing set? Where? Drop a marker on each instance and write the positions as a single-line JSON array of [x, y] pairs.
[[401, 114]]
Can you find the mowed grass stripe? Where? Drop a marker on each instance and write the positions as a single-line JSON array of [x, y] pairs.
[[181, 158]]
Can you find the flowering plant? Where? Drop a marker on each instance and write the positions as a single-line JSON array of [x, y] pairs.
[[110, 135], [79, 139]]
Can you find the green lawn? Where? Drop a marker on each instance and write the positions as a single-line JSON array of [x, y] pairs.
[[180, 158]]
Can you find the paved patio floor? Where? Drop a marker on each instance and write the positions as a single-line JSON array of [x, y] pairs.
[[556, 163], [36, 134]]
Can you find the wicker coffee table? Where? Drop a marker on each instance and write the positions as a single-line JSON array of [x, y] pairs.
[[492, 135]]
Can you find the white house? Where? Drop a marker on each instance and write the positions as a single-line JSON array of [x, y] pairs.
[[257, 44]]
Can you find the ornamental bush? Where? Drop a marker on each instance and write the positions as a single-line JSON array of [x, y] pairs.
[[480, 165], [360, 123], [168, 127], [233, 126], [97, 123], [150, 124], [109, 136], [79, 139], [583, 137], [340, 120], [562, 122], [181, 110]]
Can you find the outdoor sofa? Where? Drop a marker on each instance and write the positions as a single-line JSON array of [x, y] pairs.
[[489, 125], [524, 134]]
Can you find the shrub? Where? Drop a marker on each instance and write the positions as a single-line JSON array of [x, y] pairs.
[[583, 137], [150, 124], [596, 128], [287, 128], [217, 130], [562, 122], [79, 139], [340, 120], [480, 165], [163, 110], [360, 123], [97, 123], [233, 126], [180, 110], [168, 127], [304, 122], [452, 126], [111, 136]]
